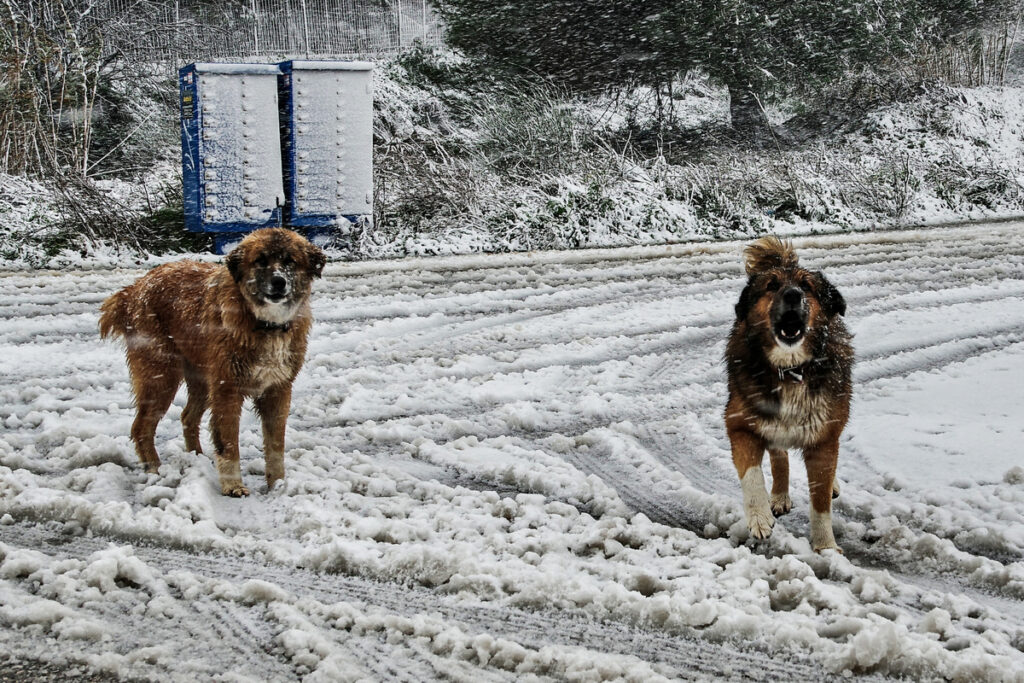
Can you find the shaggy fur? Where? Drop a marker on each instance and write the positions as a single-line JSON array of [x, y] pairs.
[[768, 253], [231, 332], [789, 363]]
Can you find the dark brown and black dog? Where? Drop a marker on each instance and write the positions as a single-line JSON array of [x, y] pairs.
[[789, 363], [232, 332]]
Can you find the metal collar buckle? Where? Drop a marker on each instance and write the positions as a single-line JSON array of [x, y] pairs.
[[792, 374]]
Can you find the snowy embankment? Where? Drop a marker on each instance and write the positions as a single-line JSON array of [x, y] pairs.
[[513, 465], [463, 171]]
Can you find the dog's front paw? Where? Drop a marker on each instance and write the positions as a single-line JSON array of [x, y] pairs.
[[822, 537], [230, 477], [275, 472], [781, 504], [760, 522], [829, 547], [235, 489]]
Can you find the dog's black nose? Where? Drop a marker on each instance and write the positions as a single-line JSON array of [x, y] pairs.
[[793, 296], [278, 283]]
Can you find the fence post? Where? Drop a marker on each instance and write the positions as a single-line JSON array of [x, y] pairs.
[[305, 29], [177, 29], [398, 10], [255, 29], [424, 22]]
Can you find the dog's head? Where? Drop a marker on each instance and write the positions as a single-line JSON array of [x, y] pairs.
[[783, 303], [274, 269]]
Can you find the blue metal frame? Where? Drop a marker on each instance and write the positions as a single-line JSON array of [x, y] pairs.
[[285, 113], [191, 159]]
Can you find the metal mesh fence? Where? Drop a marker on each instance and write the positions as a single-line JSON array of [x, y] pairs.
[[191, 30]]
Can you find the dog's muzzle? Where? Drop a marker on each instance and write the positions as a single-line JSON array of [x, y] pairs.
[[276, 289], [790, 323]]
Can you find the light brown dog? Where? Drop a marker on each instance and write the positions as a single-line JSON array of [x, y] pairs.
[[232, 332], [789, 364]]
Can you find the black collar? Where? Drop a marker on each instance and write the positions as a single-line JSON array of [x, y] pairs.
[[265, 326]]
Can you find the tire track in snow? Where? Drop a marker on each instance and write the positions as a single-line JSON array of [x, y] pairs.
[[645, 495], [671, 448], [879, 366], [882, 363], [685, 657], [677, 272]]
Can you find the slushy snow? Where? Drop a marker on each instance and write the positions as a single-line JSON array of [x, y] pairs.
[[514, 466]]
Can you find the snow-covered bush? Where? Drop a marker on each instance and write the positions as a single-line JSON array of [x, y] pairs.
[[495, 168], [86, 137], [466, 164]]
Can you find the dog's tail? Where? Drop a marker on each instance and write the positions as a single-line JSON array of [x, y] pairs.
[[767, 253], [114, 315]]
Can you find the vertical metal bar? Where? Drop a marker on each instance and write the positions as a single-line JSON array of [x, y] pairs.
[[398, 11], [177, 30], [424, 22], [305, 28], [255, 29]]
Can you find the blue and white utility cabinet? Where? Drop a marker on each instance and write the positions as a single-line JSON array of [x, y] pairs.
[[327, 129], [231, 149]]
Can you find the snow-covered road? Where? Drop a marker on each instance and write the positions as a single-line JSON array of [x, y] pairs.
[[505, 466]]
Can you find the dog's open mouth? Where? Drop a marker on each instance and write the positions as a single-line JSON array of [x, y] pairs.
[[274, 298], [790, 327]]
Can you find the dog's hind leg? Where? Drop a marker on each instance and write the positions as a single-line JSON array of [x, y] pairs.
[[155, 379], [781, 502], [273, 408], [198, 400]]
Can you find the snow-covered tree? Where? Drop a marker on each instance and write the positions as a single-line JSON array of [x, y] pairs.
[[757, 48]]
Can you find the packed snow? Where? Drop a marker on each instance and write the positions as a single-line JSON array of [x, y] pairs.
[[514, 466]]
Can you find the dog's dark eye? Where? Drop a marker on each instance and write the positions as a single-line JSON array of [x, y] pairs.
[[805, 285], [262, 262], [286, 261], [772, 286]]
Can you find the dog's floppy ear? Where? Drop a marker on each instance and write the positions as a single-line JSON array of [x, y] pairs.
[[234, 263], [317, 259], [832, 302], [743, 305]]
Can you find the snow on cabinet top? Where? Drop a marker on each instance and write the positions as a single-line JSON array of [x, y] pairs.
[[225, 68], [331, 66]]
